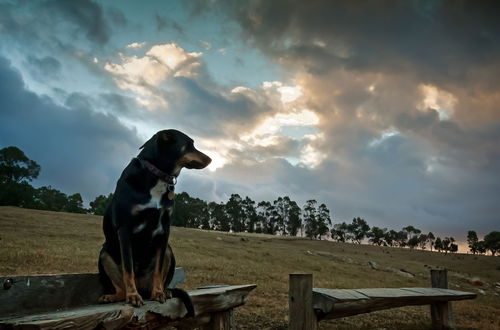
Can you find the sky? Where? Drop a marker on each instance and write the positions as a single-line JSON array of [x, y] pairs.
[[385, 110]]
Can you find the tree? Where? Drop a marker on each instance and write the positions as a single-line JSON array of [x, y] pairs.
[[339, 232], [472, 241], [263, 209], [310, 221], [220, 218], [74, 204], [422, 241], [358, 229], [16, 167], [51, 199], [250, 214], [99, 205], [431, 239], [446, 243], [453, 248], [324, 221], [377, 235], [294, 221], [234, 209], [438, 244], [391, 237], [402, 238], [413, 241], [16, 171], [492, 242], [481, 247]]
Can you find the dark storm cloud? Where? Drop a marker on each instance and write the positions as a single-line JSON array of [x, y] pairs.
[[199, 107], [86, 15], [362, 66], [443, 39], [163, 23], [79, 150]]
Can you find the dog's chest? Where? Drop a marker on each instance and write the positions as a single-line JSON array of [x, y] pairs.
[[147, 223], [156, 193]]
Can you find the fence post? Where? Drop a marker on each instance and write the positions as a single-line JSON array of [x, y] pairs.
[[441, 313], [300, 305]]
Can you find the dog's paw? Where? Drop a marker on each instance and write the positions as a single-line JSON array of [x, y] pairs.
[[134, 299], [159, 295]]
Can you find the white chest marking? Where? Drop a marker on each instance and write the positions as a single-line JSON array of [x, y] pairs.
[[156, 193], [158, 190]]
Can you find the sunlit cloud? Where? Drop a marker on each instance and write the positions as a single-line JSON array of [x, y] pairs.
[[383, 137], [143, 75], [437, 99], [136, 45]]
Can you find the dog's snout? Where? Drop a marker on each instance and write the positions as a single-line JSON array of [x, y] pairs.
[[208, 160]]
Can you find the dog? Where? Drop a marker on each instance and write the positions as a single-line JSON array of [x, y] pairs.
[[136, 260]]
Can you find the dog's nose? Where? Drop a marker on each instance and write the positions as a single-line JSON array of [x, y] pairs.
[[208, 160]]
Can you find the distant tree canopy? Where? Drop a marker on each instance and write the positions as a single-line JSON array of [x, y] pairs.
[[283, 216], [99, 205], [16, 171], [15, 167]]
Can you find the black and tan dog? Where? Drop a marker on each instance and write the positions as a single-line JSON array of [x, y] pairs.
[[136, 259]]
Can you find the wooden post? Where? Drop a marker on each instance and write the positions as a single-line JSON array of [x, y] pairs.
[[301, 313], [441, 313], [221, 321]]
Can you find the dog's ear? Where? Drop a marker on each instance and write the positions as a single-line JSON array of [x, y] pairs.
[[153, 138]]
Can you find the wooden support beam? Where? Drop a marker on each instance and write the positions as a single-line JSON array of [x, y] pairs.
[[300, 302], [441, 312]]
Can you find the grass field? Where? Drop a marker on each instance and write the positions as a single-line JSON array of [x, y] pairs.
[[41, 242]]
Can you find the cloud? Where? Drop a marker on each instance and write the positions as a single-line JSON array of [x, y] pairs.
[[406, 95], [86, 16], [78, 149], [143, 75], [44, 68]]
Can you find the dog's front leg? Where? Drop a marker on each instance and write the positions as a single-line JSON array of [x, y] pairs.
[[131, 294], [163, 258]]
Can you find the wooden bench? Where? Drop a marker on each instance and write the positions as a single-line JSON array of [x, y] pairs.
[[68, 301], [309, 305]]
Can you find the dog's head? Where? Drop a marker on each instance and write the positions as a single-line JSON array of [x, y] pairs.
[[172, 150]]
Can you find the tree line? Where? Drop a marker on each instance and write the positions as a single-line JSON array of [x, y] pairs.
[[283, 216]]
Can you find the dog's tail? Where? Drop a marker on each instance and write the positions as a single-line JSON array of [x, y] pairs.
[[184, 297]]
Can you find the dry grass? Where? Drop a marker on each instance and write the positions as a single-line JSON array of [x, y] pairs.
[[35, 242]]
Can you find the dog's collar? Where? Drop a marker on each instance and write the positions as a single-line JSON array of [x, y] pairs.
[[171, 180]]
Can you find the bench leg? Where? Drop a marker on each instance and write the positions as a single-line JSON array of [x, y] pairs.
[[442, 316], [221, 321], [441, 313]]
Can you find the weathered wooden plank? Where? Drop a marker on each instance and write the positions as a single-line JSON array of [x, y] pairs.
[[152, 314], [449, 294], [341, 294], [387, 293], [22, 295], [219, 299], [329, 307]]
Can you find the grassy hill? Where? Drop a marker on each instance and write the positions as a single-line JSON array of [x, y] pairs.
[[38, 242]]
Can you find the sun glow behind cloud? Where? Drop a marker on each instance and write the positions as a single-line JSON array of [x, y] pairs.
[[441, 101]]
